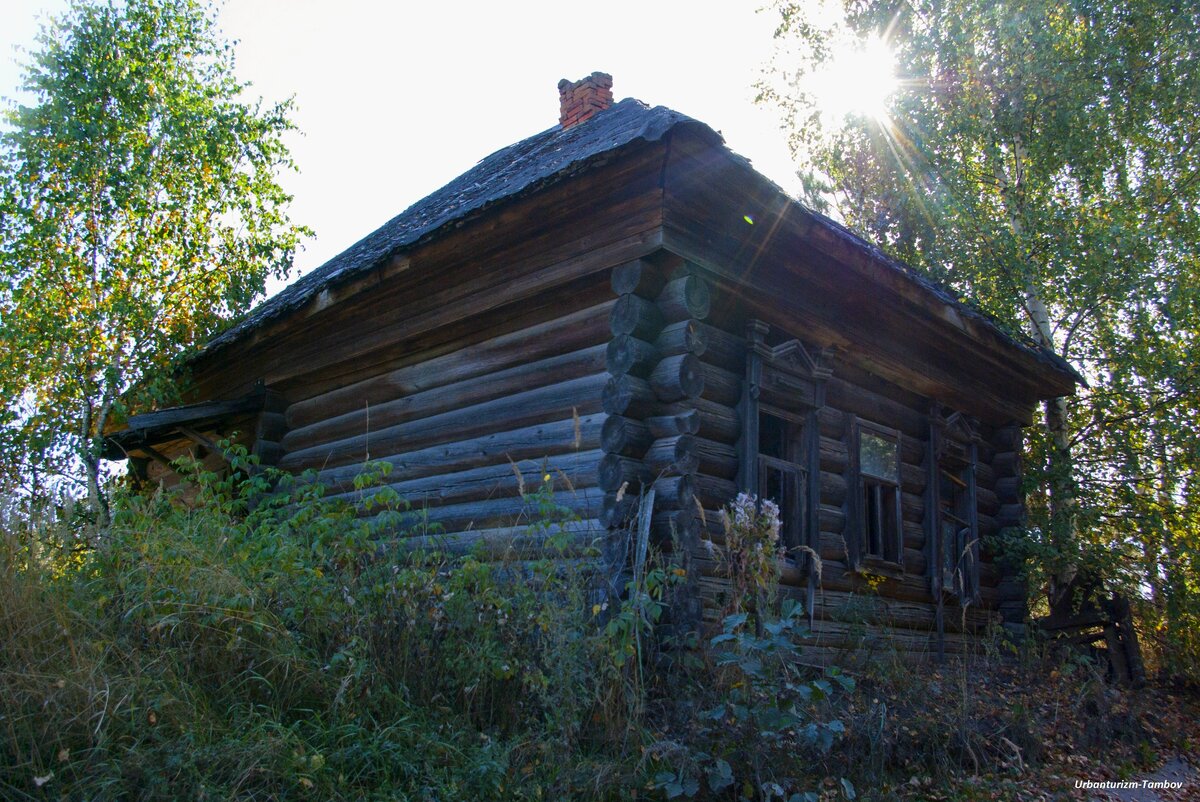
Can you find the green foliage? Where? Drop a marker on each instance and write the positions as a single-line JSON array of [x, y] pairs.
[[758, 708], [139, 210], [1039, 157], [262, 642]]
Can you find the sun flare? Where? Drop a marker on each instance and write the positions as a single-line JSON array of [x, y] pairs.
[[860, 80]]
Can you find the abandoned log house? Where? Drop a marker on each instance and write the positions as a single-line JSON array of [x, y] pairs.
[[625, 299]]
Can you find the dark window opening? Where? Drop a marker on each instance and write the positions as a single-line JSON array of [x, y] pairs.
[[781, 474], [956, 528], [879, 480]]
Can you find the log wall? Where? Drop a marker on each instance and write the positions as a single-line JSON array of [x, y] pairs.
[[472, 365], [850, 610]]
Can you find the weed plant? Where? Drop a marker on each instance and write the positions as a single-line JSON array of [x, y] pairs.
[[266, 643]]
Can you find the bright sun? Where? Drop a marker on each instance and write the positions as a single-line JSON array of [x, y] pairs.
[[859, 80]]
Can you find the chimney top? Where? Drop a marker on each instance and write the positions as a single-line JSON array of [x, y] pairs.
[[580, 100]]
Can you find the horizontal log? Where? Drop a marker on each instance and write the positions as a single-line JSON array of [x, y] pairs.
[[831, 519], [716, 459], [722, 349], [1006, 463], [565, 334], [618, 509], [833, 488], [586, 503], [452, 284], [990, 574], [582, 538], [686, 422], [679, 526], [833, 547], [1011, 588], [985, 476], [912, 507], [616, 472], [640, 276], [832, 423], [635, 316], [676, 378], [530, 442], [720, 385], [914, 535], [578, 396], [835, 576], [675, 493], [832, 605], [886, 639], [625, 436], [717, 421], [1009, 488], [628, 354], [833, 455], [672, 455], [566, 472], [685, 297], [476, 390], [714, 492], [912, 450], [913, 478], [682, 337], [875, 407], [987, 501], [629, 397]]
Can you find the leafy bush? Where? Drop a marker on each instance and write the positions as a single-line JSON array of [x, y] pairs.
[[266, 642]]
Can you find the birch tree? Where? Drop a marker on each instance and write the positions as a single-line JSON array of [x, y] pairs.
[[1042, 158], [139, 210]]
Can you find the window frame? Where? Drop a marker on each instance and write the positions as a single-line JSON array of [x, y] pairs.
[[886, 512], [786, 380], [954, 453], [793, 463]]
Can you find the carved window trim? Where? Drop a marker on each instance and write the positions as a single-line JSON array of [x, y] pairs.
[[785, 381]]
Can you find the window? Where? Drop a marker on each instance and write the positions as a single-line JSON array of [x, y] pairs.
[[779, 448], [953, 527], [881, 535], [782, 476], [957, 528]]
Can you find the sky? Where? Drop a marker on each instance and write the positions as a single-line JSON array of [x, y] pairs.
[[395, 99]]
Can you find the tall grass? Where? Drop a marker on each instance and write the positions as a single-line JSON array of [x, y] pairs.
[[272, 644], [264, 642]]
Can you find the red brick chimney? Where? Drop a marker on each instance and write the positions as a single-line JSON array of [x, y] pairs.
[[580, 100]]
